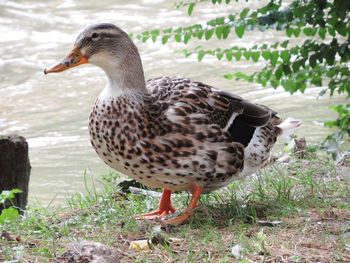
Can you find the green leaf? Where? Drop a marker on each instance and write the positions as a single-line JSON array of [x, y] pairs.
[[331, 31], [229, 55], [231, 17], [289, 85], [279, 72], [312, 60], [178, 38], [165, 39], [296, 31], [241, 75], [330, 56], [289, 31], [247, 54], [8, 214], [208, 34], [226, 30], [275, 45], [274, 57], [304, 52], [219, 21], [219, 55], [190, 8], [187, 38], [154, 34], [322, 32], [167, 31], [244, 13], [187, 53], [263, 81], [317, 81], [255, 55], [200, 55], [286, 69], [228, 76], [266, 54], [300, 86], [199, 34], [285, 56], [342, 30], [297, 64], [218, 32], [309, 31], [238, 55], [284, 44], [239, 30], [274, 82]]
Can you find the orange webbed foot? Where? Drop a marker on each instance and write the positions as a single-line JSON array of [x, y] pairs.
[[159, 213], [177, 220], [165, 208], [185, 215]]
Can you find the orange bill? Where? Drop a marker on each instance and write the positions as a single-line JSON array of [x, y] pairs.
[[73, 59]]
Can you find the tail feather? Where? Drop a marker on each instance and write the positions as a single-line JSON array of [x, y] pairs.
[[288, 126]]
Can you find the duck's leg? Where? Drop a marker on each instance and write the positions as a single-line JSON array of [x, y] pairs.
[[178, 220], [165, 208]]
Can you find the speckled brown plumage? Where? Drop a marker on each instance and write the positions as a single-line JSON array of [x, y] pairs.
[[177, 135]]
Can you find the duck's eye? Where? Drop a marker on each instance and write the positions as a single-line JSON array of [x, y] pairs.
[[95, 36]]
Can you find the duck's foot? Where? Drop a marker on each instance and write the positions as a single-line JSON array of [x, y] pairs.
[[159, 213], [165, 208], [180, 219]]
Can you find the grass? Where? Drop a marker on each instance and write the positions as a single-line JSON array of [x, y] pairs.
[[310, 197]]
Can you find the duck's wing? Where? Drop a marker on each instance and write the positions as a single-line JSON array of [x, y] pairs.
[[198, 103]]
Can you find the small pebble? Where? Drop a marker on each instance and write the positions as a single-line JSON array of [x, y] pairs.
[[346, 235], [236, 251]]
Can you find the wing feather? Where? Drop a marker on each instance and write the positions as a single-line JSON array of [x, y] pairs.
[[186, 97]]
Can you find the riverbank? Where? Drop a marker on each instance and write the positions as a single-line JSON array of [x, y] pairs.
[[296, 211]]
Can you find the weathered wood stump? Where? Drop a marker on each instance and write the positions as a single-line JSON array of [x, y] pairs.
[[14, 168]]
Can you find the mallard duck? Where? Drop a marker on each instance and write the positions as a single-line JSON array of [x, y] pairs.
[[170, 132]]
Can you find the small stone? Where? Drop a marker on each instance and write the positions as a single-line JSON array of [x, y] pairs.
[[236, 251], [88, 252], [347, 247], [346, 236]]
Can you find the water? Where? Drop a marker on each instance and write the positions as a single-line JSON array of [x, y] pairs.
[[51, 111]]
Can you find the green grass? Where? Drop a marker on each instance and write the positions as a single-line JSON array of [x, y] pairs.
[[309, 196]]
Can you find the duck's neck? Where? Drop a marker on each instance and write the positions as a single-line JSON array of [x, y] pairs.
[[124, 77]]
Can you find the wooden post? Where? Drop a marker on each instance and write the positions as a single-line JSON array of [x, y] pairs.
[[14, 168]]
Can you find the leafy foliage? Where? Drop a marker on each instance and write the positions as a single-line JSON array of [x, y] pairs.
[[10, 213], [321, 59]]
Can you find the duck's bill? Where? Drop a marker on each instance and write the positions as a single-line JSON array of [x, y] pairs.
[[73, 59]]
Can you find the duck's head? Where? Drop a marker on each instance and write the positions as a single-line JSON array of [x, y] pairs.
[[106, 46]]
